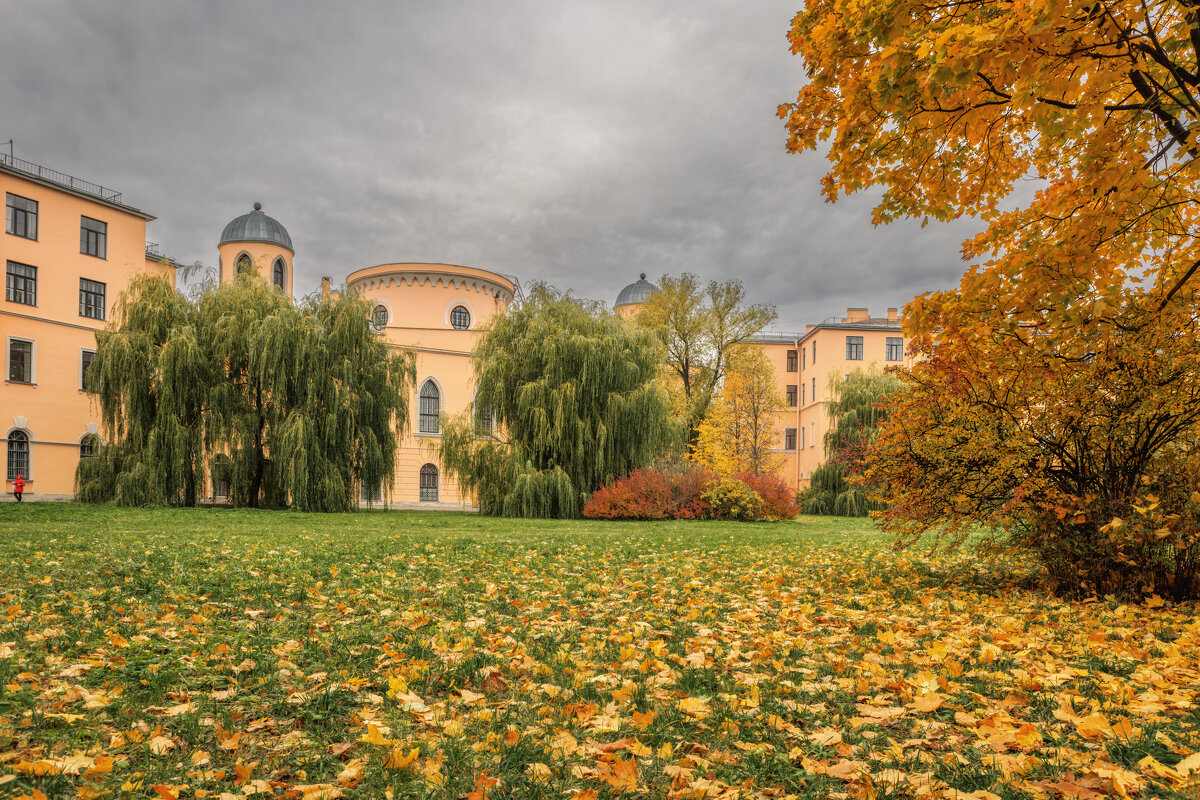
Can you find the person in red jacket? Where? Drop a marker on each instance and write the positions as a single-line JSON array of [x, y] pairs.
[[18, 487]]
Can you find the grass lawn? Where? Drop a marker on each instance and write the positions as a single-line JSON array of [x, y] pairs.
[[223, 654]]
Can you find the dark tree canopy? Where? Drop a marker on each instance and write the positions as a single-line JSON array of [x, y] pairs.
[[301, 404], [573, 399]]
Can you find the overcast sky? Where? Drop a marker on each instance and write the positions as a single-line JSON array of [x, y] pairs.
[[578, 143]]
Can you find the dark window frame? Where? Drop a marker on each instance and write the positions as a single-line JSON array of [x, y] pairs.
[[86, 358], [27, 360], [279, 274], [791, 394], [18, 287], [93, 301], [88, 445], [17, 218], [377, 323], [894, 349], [93, 241], [460, 318], [789, 439], [428, 481], [854, 348], [430, 406], [18, 455], [791, 361]]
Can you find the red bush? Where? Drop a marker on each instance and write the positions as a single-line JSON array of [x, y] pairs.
[[650, 494], [779, 502]]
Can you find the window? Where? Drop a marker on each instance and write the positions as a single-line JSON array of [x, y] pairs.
[[791, 360], [460, 318], [20, 216], [93, 237], [431, 401], [91, 299], [895, 349], [483, 420], [802, 388], [379, 317], [85, 365], [429, 483], [854, 348], [372, 494], [20, 284], [278, 273], [222, 470], [814, 358], [803, 359], [88, 445], [243, 265], [791, 395], [18, 454], [789, 438], [802, 438], [813, 395], [812, 434], [20, 361]]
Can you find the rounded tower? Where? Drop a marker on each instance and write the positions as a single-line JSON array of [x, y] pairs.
[[633, 297], [258, 243]]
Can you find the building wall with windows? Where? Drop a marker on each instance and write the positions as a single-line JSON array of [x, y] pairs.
[[806, 363], [435, 311], [69, 248]]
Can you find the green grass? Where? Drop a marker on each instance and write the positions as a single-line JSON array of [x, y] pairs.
[[321, 651]]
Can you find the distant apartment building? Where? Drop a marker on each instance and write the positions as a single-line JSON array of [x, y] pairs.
[[69, 248], [805, 363]]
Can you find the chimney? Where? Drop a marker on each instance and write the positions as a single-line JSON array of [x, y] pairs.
[[325, 282], [857, 315], [893, 316]]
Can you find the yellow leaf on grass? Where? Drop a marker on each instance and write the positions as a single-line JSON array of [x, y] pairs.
[[694, 707], [160, 745]]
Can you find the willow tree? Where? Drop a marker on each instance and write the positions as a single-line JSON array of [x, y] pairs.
[[855, 414], [150, 376], [347, 391], [306, 402], [245, 405], [574, 401]]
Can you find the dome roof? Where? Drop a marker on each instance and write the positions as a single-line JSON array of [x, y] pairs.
[[636, 292], [256, 227]]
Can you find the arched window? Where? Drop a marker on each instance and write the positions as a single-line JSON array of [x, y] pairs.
[[431, 401], [88, 445], [243, 266], [18, 454], [278, 273], [379, 317], [460, 318], [429, 483]]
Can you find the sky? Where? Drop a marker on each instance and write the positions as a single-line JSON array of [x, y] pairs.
[[578, 143]]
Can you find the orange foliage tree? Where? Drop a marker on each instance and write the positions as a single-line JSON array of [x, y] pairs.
[[1056, 395]]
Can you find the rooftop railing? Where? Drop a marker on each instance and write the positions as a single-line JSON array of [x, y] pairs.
[[61, 178]]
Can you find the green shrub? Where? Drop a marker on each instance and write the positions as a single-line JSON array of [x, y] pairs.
[[729, 498]]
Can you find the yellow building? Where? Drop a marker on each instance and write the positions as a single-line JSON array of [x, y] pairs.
[[60, 288], [69, 248], [436, 312], [805, 363]]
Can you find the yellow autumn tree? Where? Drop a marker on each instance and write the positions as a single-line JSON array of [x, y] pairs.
[[738, 434], [1055, 394]]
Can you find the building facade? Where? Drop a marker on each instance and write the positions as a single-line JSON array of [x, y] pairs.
[[69, 248], [805, 366]]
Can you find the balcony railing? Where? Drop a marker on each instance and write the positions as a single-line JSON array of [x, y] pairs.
[[61, 178]]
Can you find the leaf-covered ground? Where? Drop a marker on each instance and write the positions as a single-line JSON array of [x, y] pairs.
[[228, 654]]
